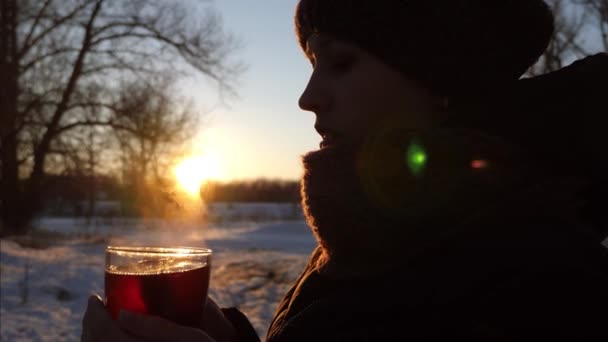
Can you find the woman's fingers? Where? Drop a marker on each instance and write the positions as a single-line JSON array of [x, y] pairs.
[[215, 324], [211, 314], [97, 325], [159, 330]]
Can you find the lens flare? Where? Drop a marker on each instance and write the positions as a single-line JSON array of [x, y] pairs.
[[479, 164], [416, 158]]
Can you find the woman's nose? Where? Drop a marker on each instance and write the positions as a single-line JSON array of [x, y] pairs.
[[315, 97]]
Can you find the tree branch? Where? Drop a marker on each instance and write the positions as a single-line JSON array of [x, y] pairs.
[[109, 123], [115, 66], [27, 39], [182, 48], [28, 44], [45, 143], [42, 57], [91, 104]]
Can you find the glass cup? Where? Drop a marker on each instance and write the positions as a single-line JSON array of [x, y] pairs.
[[169, 282]]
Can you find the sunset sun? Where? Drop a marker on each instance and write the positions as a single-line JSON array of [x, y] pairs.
[[193, 171]]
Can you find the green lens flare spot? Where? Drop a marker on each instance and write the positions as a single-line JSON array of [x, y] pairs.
[[416, 158]]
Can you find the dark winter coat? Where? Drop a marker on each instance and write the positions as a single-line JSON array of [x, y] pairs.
[[510, 278], [503, 252], [527, 283], [521, 269]]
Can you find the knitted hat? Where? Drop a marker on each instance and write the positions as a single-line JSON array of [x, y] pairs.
[[449, 45]]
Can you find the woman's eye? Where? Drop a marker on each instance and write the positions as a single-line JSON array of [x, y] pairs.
[[341, 63], [335, 63]]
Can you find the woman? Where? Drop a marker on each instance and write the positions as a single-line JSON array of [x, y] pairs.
[[449, 197]]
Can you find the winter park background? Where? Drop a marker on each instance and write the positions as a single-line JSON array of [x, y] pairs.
[[102, 123], [259, 249]]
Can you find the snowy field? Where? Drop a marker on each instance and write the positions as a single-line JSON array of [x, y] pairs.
[[44, 289]]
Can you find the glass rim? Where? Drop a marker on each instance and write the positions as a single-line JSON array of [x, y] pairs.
[[183, 251]]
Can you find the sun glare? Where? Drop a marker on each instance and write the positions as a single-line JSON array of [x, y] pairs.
[[193, 171]]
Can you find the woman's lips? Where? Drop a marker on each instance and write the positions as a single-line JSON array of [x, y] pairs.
[[329, 140], [329, 136]]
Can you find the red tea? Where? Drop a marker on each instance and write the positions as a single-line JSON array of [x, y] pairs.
[[174, 290]]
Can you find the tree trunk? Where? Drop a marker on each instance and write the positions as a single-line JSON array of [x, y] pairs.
[[13, 210], [11, 199], [35, 186]]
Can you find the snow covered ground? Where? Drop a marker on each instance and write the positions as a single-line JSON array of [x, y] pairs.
[[44, 290]]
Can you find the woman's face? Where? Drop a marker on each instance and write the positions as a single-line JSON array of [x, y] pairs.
[[353, 93]]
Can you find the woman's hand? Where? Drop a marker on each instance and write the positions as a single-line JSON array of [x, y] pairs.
[[98, 326], [216, 324]]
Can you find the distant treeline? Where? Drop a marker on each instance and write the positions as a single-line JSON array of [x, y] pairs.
[[259, 190], [72, 188]]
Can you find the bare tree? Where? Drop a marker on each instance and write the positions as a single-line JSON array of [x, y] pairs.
[[151, 128], [60, 61], [566, 42], [598, 11], [575, 23]]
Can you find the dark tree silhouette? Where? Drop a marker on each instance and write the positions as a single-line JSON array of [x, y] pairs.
[[151, 131], [63, 62]]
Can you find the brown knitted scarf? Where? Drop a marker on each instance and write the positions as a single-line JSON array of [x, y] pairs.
[[367, 207]]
